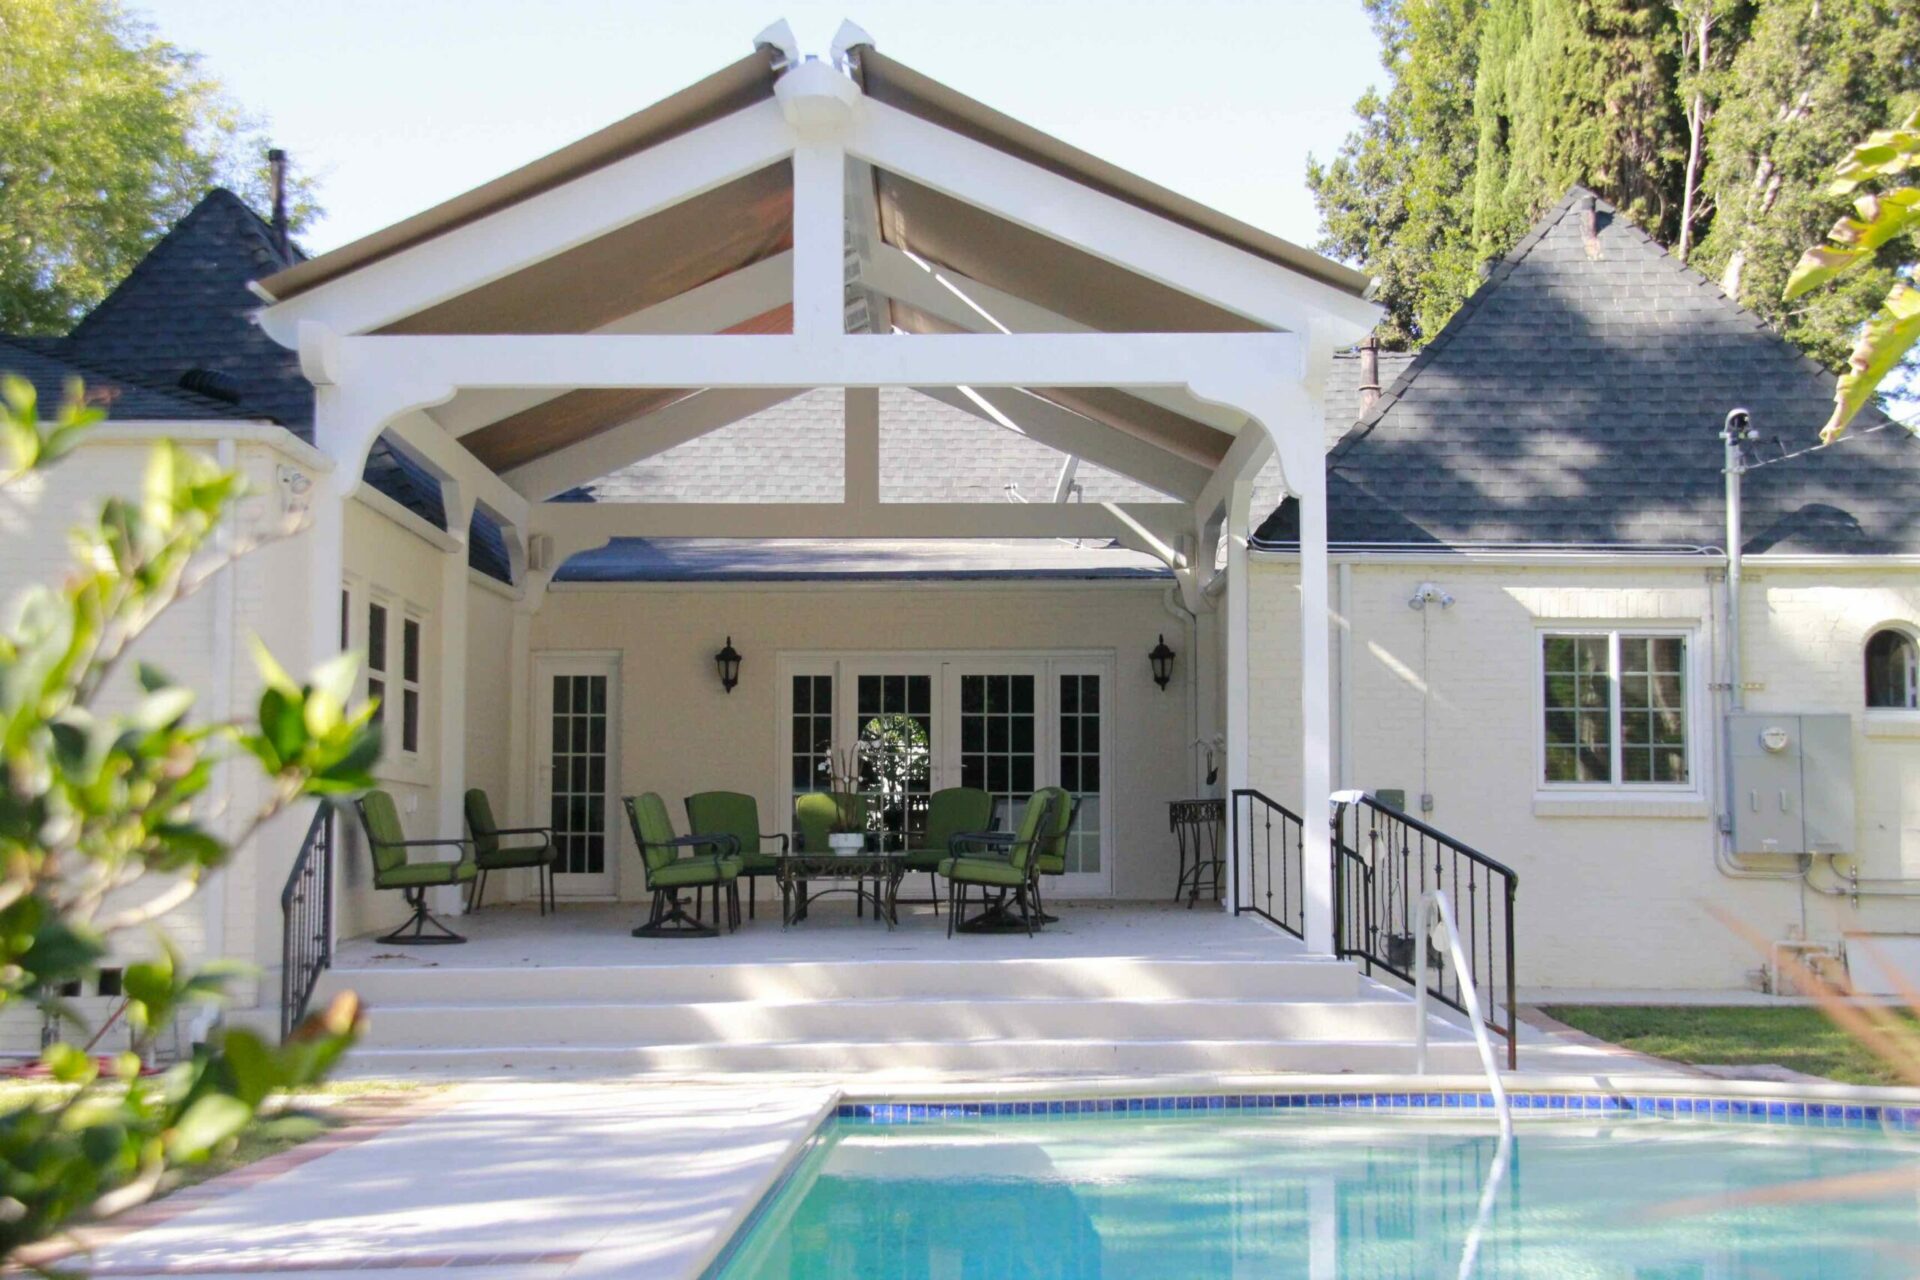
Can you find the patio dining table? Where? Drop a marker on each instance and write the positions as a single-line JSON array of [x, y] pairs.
[[875, 877]]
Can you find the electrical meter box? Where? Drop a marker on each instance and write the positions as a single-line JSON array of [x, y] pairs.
[[1791, 788]]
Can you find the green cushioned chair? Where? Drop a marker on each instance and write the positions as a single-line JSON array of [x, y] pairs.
[[1052, 855], [814, 816], [1008, 876], [950, 811], [490, 854], [392, 869], [815, 813], [732, 813], [669, 872]]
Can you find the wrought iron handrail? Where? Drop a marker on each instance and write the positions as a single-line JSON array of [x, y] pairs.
[[306, 907], [1384, 862], [1255, 816]]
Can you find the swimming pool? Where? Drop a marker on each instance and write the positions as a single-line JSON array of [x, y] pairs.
[[1385, 1186]]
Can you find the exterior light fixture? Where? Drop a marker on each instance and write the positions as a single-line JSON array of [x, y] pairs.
[[1161, 659], [728, 660]]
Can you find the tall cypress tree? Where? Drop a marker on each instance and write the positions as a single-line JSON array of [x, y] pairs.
[[1813, 76]]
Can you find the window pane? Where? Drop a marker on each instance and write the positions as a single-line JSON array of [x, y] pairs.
[[376, 638], [410, 720], [377, 695], [1890, 671], [410, 651]]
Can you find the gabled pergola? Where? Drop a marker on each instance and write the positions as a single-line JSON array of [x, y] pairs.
[[794, 223]]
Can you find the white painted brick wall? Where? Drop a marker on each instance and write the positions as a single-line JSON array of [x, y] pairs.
[[1609, 901]]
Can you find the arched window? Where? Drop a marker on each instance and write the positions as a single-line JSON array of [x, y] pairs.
[[1893, 671]]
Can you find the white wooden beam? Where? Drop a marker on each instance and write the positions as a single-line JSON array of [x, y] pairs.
[[1108, 228], [447, 458], [1076, 436], [643, 437], [443, 363], [717, 305], [819, 241], [860, 427], [978, 308], [586, 524], [540, 226]]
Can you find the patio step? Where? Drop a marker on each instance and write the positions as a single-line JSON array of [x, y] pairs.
[[640, 1024], [904, 1060], [1059, 978]]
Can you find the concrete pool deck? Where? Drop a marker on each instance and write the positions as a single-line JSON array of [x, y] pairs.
[[612, 1178]]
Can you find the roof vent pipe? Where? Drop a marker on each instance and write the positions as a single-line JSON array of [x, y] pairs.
[[1589, 222], [277, 166], [1369, 371]]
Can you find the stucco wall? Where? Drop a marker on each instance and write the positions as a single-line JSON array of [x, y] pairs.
[[680, 733], [489, 678], [1612, 895]]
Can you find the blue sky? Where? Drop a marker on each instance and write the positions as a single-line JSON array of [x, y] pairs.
[[397, 104]]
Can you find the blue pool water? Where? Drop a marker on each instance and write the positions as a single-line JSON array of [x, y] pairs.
[[1333, 1194]]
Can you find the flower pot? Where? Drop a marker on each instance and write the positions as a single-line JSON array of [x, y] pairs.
[[846, 842]]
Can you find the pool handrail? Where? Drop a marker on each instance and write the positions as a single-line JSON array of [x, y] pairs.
[[1434, 902]]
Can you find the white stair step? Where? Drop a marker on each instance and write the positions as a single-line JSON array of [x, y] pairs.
[[995, 1059], [1054, 978], [643, 1023]]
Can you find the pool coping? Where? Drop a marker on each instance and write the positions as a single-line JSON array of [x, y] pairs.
[[1747, 1102]]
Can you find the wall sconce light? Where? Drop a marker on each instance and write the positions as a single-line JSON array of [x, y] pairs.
[[728, 660], [1161, 659]]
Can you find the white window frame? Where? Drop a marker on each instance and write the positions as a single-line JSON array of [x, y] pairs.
[[416, 685], [1912, 705], [1617, 785]]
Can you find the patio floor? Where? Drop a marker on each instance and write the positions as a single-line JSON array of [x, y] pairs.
[[599, 935]]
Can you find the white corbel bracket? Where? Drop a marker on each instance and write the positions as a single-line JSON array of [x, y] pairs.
[[816, 99]]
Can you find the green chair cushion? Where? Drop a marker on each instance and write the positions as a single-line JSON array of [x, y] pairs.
[[736, 814], [688, 872], [950, 811], [419, 873], [993, 871], [1053, 844], [816, 812], [506, 859]]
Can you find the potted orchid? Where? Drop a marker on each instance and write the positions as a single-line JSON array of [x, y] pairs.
[[848, 834]]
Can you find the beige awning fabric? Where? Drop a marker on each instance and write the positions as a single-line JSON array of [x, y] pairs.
[[726, 91]]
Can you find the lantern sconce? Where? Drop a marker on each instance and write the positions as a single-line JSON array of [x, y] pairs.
[[728, 661], [1161, 659]]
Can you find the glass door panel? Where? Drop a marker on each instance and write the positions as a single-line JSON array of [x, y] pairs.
[[575, 770], [894, 724], [1081, 738], [998, 730]]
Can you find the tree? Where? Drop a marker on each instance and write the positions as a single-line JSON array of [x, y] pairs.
[[1396, 198], [1813, 76], [1887, 226], [1575, 91], [111, 135], [103, 830], [1709, 122]]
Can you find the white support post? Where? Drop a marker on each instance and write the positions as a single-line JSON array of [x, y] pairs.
[[1309, 485], [450, 687], [861, 472], [819, 241], [1239, 695], [339, 438]]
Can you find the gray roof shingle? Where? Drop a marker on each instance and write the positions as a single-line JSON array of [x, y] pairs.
[[43, 363], [1577, 398]]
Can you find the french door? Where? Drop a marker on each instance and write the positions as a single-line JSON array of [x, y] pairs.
[[1005, 724], [578, 768]]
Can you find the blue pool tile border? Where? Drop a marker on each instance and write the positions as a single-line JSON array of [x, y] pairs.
[[1696, 1108]]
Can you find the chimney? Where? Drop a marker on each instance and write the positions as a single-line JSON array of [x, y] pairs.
[[1369, 371], [1589, 222], [277, 166]]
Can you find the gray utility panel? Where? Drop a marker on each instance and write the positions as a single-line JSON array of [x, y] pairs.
[[1791, 789]]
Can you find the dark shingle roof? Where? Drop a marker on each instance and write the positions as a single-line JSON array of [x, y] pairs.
[[186, 306], [43, 363], [1577, 397]]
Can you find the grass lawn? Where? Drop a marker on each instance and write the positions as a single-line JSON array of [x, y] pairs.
[[1803, 1039]]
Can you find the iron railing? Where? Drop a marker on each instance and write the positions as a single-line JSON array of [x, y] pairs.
[[1384, 862], [1270, 843], [306, 907]]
